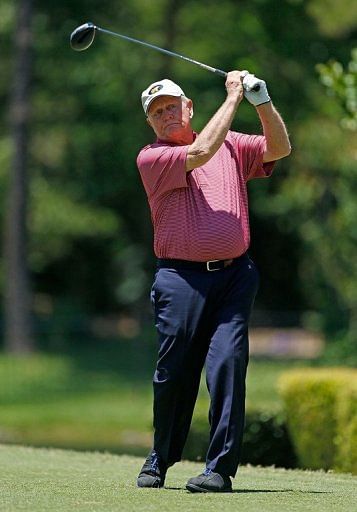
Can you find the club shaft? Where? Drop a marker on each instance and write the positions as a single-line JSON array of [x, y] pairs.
[[162, 50]]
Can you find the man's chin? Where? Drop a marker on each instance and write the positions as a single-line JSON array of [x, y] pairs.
[[176, 133], [174, 130]]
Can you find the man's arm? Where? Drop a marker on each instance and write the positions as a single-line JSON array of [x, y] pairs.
[[275, 133], [213, 134]]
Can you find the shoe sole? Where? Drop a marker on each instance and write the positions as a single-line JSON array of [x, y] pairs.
[[150, 486], [155, 484], [196, 488]]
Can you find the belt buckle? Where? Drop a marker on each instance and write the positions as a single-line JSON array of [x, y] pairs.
[[208, 265]]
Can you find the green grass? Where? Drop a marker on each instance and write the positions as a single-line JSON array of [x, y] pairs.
[[93, 400], [40, 480]]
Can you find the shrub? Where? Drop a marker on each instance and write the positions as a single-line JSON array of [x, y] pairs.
[[320, 406], [266, 440], [346, 439]]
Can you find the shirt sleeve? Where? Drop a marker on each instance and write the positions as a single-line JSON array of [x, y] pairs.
[[250, 150], [162, 168]]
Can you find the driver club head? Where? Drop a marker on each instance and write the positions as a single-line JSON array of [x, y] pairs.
[[82, 37]]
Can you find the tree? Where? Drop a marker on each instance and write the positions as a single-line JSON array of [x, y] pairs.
[[90, 236], [18, 331], [321, 196]]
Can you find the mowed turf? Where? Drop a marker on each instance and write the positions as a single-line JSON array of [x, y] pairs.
[[58, 480]]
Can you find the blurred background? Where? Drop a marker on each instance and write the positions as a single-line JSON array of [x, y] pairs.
[[77, 341]]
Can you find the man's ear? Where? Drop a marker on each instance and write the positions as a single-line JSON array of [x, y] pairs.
[[189, 105], [148, 122]]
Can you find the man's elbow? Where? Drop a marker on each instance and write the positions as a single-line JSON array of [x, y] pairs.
[[277, 153], [285, 151], [197, 157]]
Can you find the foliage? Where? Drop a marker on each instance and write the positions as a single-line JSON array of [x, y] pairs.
[[90, 238], [318, 200], [320, 407], [266, 440], [334, 18], [57, 219], [341, 351], [342, 85], [346, 439]]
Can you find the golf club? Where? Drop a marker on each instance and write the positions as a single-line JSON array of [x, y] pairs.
[[83, 36]]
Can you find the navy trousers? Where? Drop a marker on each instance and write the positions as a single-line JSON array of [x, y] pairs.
[[202, 319]]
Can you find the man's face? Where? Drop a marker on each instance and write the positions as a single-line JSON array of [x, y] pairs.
[[169, 117]]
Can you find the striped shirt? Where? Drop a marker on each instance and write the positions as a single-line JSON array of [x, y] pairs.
[[202, 215]]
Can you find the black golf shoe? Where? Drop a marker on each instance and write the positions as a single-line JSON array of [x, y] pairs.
[[209, 481], [153, 472]]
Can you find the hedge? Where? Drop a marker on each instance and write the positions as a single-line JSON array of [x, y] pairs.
[[346, 439], [321, 411]]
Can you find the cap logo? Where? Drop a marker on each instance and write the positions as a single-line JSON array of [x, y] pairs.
[[155, 89]]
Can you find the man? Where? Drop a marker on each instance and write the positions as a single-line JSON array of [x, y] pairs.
[[205, 282]]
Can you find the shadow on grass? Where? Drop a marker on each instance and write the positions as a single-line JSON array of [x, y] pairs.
[[248, 491], [128, 360], [251, 491], [119, 450], [78, 367], [132, 359]]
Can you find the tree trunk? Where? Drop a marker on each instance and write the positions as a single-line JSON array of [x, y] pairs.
[[169, 22], [17, 307]]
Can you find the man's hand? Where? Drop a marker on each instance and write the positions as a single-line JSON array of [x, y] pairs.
[[256, 98], [234, 85]]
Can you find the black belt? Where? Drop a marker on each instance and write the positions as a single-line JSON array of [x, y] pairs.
[[203, 266]]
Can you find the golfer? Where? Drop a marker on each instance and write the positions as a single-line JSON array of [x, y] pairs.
[[205, 282]]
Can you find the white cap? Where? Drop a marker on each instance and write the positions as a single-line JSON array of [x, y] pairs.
[[162, 88]]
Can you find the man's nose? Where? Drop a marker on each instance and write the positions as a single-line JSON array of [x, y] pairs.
[[168, 114]]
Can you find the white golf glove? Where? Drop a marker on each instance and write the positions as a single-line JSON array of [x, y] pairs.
[[250, 82]]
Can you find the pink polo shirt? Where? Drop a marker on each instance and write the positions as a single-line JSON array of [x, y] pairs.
[[202, 215]]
